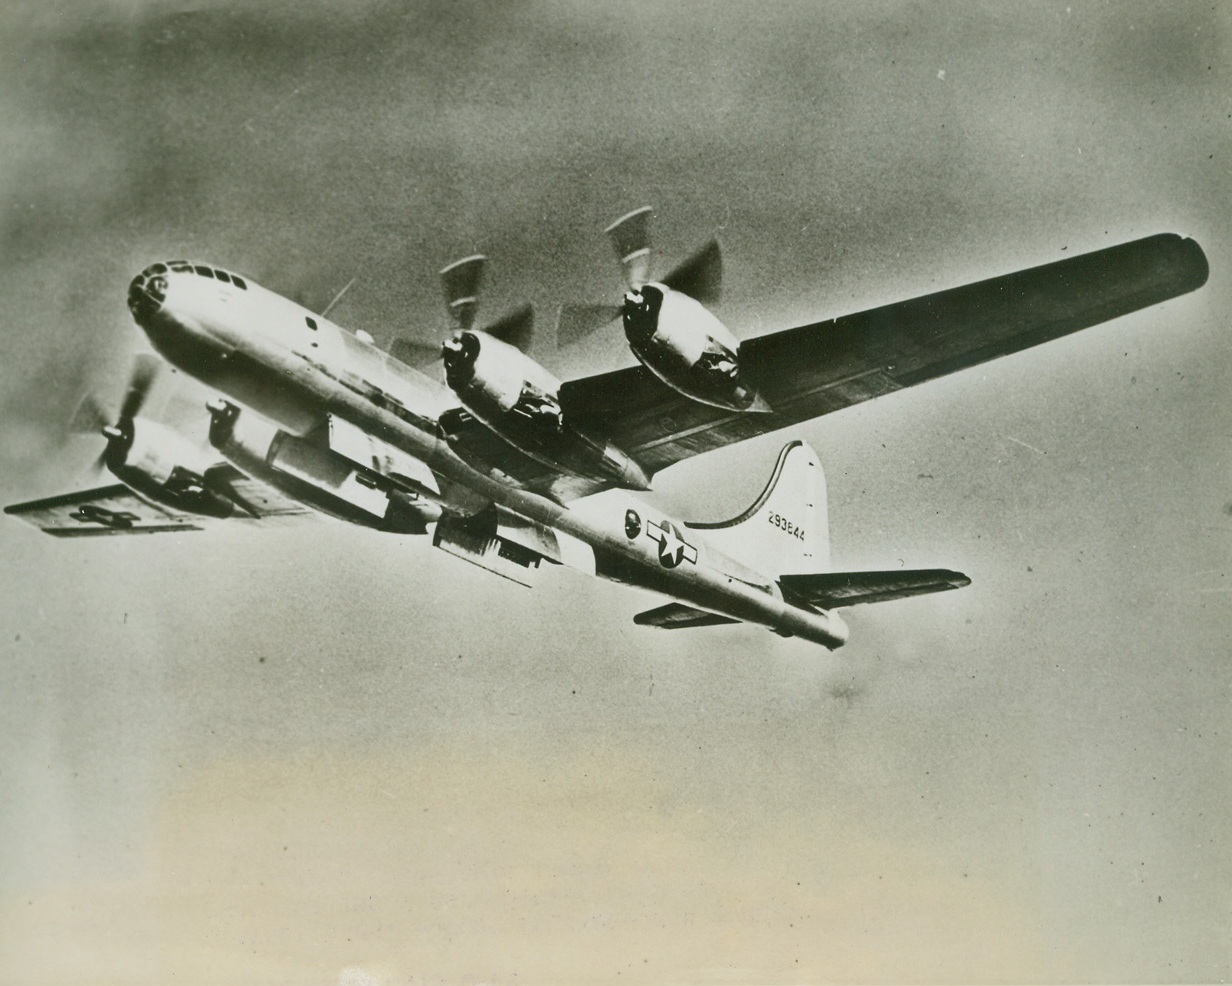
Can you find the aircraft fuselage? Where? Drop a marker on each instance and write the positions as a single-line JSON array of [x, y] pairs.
[[296, 368]]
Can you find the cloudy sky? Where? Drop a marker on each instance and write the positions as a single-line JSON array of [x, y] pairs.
[[340, 757]]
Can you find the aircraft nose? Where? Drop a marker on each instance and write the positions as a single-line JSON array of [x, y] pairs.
[[148, 291]]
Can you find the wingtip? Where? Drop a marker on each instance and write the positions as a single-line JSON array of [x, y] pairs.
[[1200, 267]]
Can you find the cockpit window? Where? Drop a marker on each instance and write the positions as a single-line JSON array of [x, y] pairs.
[[184, 267], [312, 322]]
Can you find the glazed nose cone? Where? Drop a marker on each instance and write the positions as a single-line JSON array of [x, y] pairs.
[[147, 292]]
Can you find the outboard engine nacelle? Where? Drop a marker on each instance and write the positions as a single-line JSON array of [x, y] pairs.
[[683, 344], [666, 322], [159, 464]]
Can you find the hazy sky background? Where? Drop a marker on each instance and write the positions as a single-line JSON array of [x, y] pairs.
[[342, 757]]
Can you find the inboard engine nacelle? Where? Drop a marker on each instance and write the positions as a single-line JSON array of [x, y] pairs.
[[310, 469], [519, 400]]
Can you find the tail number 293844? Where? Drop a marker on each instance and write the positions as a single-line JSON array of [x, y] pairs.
[[781, 522]]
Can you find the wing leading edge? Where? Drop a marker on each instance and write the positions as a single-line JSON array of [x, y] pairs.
[[815, 369]]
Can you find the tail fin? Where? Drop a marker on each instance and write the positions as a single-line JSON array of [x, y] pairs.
[[786, 531]]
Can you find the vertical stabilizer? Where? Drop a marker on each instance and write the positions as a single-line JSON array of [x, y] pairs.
[[786, 531]]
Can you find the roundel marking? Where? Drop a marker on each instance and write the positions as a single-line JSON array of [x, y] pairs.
[[673, 548]]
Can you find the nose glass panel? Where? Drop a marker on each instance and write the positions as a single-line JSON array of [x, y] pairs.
[[148, 291]]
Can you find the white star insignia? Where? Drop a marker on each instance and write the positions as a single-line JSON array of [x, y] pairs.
[[673, 549]]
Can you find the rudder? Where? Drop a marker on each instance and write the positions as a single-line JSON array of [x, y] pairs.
[[786, 531]]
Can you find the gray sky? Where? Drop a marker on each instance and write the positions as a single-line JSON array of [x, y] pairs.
[[342, 757]]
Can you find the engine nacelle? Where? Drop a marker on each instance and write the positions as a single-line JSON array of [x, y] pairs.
[[687, 347], [496, 380], [519, 400], [161, 465], [309, 470]]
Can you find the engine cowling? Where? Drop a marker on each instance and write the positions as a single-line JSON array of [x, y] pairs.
[[519, 400], [499, 383], [683, 344], [161, 465]]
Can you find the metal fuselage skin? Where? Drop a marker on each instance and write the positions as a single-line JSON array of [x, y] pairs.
[[294, 367]]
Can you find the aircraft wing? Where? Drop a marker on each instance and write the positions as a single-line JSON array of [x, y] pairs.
[[115, 509], [814, 369]]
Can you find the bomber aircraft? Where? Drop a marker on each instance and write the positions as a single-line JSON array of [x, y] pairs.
[[503, 461]]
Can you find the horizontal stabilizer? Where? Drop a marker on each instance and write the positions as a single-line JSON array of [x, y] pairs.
[[678, 616], [834, 590]]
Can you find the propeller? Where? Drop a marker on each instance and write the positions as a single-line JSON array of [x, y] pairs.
[[462, 281], [700, 276], [140, 381], [516, 328], [630, 235], [91, 417]]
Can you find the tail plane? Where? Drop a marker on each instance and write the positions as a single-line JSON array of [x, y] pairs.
[[785, 535]]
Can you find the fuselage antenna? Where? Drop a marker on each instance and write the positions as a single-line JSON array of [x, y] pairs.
[[337, 298]]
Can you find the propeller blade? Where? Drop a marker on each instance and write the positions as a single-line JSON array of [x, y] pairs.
[[576, 322], [412, 353], [90, 417], [701, 276], [517, 328], [145, 369], [462, 280], [630, 236]]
